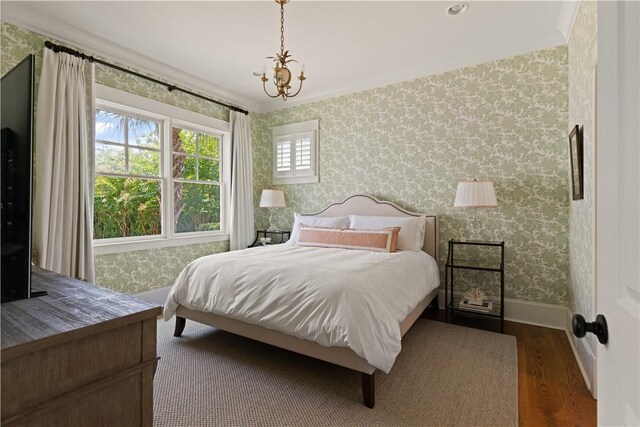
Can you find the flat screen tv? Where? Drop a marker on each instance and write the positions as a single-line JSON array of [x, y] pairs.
[[16, 88]]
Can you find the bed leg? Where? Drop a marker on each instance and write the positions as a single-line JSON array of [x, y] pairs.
[[180, 324], [369, 389], [434, 303]]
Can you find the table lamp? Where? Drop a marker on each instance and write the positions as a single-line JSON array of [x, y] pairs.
[[272, 199], [475, 194]]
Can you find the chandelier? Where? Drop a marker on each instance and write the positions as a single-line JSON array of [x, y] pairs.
[[281, 73]]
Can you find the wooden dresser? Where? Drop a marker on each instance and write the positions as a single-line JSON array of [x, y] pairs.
[[79, 356]]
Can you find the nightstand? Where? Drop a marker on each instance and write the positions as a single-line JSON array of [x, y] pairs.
[[280, 235], [453, 301]]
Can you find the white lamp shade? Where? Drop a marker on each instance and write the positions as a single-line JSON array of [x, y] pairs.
[[476, 194], [272, 199]]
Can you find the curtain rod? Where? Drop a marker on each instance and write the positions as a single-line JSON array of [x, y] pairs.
[[58, 48]]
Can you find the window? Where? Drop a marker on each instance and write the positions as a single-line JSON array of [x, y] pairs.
[[128, 186], [159, 179], [196, 180], [295, 153]]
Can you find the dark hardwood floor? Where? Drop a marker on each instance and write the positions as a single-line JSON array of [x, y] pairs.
[[551, 390]]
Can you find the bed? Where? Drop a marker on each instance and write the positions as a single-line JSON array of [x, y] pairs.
[[252, 313]]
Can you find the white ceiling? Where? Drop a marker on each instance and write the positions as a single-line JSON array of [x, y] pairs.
[[346, 46]]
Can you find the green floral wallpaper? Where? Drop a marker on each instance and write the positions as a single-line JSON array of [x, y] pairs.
[[582, 60], [137, 271], [412, 142]]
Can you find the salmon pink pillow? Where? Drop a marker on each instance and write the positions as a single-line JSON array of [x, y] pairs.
[[376, 239]]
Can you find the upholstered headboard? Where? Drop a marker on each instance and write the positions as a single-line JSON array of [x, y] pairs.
[[365, 204]]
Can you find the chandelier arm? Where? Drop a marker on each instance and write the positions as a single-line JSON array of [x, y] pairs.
[[264, 87], [299, 89]]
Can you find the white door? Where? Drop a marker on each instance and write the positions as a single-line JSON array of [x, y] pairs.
[[617, 213]]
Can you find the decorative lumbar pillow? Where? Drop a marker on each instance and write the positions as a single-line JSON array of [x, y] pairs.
[[316, 221], [411, 236], [377, 240]]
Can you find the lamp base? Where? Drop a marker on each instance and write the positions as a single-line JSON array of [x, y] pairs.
[[271, 227], [476, 227]]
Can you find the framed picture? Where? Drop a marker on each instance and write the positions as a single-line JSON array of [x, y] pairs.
[[577, 166]]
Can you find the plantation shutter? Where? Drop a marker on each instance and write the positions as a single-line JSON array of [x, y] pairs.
[[295, 150], [303, 152], [283, 157]]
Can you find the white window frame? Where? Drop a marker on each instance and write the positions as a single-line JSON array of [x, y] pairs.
[[291, 132], [169, 117]]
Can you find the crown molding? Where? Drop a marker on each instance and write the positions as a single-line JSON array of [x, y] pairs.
[[567, 17], [15, 14], [530, 43]]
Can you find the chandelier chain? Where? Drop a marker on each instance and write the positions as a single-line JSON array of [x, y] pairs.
[[282, 28]]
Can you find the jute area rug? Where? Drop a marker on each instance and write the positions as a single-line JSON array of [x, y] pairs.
[[445, 375]]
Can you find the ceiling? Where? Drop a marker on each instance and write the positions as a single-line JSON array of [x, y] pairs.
[[345, 46]]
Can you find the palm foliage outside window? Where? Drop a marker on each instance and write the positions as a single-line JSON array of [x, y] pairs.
[[133, 190], [196, 177]]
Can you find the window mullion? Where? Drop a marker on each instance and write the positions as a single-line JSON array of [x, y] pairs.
[[223, 190], [126, 175], [169, 211], [116, 144], [126, 143], [197, 153]]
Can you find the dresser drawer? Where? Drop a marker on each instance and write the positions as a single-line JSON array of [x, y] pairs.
[[32, 379]]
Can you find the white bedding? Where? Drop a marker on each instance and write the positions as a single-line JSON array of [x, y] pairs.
[[335, 297]]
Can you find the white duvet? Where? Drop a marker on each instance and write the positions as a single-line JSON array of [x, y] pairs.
[[335, 297]]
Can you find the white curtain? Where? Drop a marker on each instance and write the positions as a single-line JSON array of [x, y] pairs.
[[63, 221], [242, 227]]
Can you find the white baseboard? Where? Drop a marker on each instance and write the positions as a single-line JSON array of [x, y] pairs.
[[584, 355], [155, 296], [532, 313]]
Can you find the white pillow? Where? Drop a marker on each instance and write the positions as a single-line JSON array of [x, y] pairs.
[[316, 221], [411, 237]]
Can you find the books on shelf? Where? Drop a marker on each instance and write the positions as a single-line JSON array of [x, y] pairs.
[[486, 306]]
